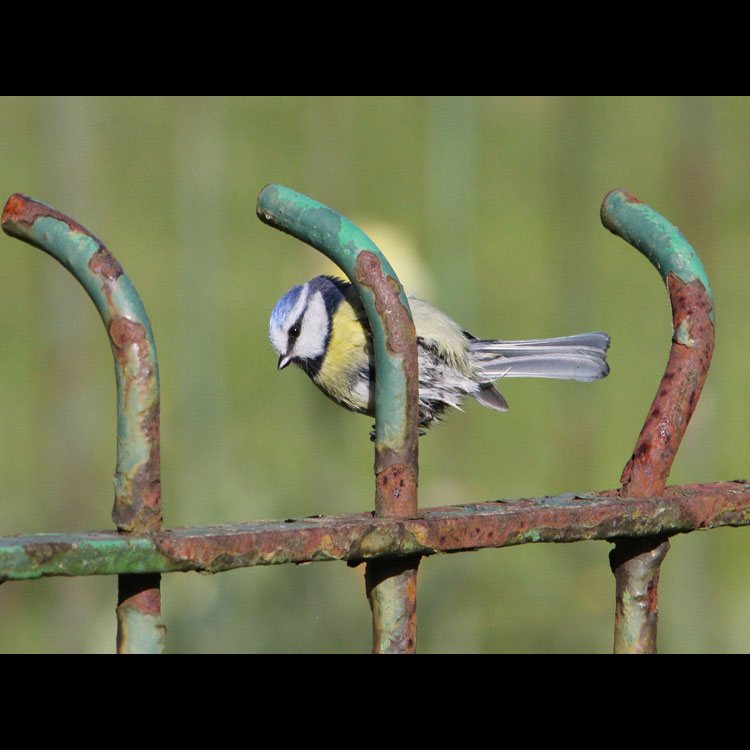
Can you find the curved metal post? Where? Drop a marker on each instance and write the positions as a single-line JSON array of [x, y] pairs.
[[137, 480], [391, 584], [636, 562]]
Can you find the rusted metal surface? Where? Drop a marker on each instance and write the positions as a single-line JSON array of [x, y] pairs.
[[391, 586], [636, 562], [137, 480], [396, 494], [137, 476], [677, 396], [362, 537], [22, 210], [396, 462], [692, 340], [139, 628]]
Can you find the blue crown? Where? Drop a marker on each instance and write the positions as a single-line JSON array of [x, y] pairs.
[[284, 305]]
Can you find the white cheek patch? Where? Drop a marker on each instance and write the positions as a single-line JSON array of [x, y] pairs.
[[312, 339]]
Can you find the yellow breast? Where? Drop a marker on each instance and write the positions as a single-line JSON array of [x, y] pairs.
[[348, 353]]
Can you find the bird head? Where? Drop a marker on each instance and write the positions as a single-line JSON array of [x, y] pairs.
[[300, 325]]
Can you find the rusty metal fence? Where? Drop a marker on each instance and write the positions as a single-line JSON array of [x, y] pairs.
[[639, 517]]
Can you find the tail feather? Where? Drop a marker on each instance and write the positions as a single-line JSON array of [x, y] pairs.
[[489, 396], [582, 357]]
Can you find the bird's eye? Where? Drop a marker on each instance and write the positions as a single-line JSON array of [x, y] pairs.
[[294, 330]]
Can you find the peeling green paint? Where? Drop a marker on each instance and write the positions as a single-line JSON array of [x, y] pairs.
[[136, 479], [655, 237], [139, 633]]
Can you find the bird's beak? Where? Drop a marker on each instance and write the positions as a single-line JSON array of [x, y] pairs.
[[284, 360]]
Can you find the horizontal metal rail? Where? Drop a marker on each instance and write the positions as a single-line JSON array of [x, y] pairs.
[[360, 537]]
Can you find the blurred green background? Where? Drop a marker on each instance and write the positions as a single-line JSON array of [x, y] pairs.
[[488, 207]]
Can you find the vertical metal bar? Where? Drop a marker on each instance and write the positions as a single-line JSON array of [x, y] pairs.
[[139, 628], [391, 584], [636, 562], [137, 479]]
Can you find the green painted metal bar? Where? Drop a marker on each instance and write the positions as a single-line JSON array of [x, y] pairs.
[[361, 537], [139, 626], [653, 236], [137, 480], [636, 563], [137, 475], [391, 590]]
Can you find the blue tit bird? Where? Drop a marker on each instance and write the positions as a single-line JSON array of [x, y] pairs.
[[322, 327]]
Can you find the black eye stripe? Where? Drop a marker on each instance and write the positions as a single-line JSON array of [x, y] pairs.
[[294, 331]]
